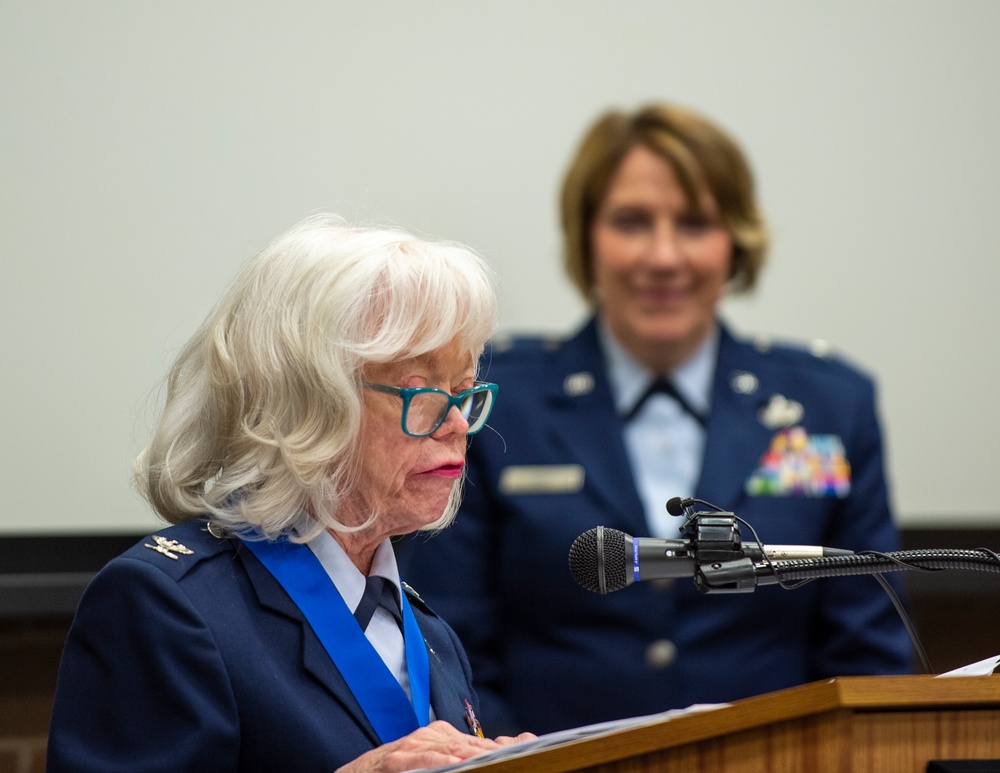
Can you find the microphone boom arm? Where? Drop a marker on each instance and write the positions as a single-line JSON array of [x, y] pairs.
[[713, 553], [745, 567]]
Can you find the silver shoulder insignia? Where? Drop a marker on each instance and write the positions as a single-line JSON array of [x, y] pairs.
[[821, 348], [168, 547]]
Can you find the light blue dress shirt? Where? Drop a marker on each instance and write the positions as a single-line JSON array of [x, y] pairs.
[[665, 444], [383, 631]]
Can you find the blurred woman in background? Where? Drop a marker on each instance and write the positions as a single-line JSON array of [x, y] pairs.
[[655, 397]]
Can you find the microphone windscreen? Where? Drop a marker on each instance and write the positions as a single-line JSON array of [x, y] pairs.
[[674, 506], [600, 552]]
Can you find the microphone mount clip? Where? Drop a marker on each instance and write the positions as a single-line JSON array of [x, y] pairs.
[[721, 563]]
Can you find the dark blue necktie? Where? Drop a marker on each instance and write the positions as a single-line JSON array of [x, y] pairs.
[[661, 385], [379, 592]]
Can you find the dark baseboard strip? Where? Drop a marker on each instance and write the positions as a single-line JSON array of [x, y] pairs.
[[44, 576]]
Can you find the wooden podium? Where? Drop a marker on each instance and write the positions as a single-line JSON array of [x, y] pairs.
[[890, 724]]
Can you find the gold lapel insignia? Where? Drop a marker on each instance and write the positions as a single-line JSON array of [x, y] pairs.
[[168, 547], [781, 412]]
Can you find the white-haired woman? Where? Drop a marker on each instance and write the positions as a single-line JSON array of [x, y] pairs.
[[321, 409]]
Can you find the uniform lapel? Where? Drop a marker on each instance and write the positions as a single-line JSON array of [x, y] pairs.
[[735, 438], [315, 658], [586, 427], [447, 698]]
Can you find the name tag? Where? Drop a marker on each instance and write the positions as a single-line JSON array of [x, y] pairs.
[[542, 479]]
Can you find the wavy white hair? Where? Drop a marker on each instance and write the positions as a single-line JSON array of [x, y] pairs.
[[263, 405]]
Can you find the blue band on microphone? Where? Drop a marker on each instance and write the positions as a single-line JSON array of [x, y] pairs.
[[635, 559]]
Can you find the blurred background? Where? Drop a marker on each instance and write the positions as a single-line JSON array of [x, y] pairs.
[[148, 149]]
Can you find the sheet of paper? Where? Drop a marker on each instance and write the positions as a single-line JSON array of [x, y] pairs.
[[980, 668], [565, 736]]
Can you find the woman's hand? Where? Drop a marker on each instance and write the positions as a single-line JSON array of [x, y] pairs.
[[437, 744]]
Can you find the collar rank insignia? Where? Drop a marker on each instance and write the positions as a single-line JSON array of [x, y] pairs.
[[168, 547], [578, 384], [743, 382], [781, 412]]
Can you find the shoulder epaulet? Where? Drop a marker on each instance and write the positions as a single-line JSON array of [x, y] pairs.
[[177, 549], [821, 348], [762, 343], [551, 343], [818, 356], [818, 348], [502, 343], [525, 343]]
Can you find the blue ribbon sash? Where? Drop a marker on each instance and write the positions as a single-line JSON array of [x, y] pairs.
[[381, 697]]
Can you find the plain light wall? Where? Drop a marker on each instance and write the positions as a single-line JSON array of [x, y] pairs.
[[149, 149]]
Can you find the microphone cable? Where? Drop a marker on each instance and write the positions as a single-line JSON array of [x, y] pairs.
[[805, 570]]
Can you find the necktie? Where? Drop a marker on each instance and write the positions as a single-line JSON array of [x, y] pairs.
[[661, 385], [378, 592]]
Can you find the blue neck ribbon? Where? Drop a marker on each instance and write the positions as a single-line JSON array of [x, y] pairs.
[[381, 697]]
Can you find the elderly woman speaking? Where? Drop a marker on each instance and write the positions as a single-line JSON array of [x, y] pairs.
[[321, 409]]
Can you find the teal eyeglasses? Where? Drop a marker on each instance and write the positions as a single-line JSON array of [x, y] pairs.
[[425, 408]]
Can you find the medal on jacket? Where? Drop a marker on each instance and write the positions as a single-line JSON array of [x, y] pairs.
[[381, 697], [798, 464], [470, 717]]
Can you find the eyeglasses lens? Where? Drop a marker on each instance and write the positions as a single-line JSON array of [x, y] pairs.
[[476, 409], [428, 411], [425, 410]]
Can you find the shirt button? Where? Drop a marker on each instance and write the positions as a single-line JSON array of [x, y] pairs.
[[661, 654]]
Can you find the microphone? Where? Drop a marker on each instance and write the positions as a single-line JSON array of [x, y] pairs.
[[604, 560], [677, 506]]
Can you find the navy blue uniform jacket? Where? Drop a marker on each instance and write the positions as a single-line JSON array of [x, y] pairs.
[[204, 663], [548, 654]]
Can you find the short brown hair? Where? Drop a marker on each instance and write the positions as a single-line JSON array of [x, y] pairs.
[[704, 158]]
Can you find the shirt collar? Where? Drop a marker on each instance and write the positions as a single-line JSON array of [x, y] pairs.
[[347, 578], [629, 378]]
